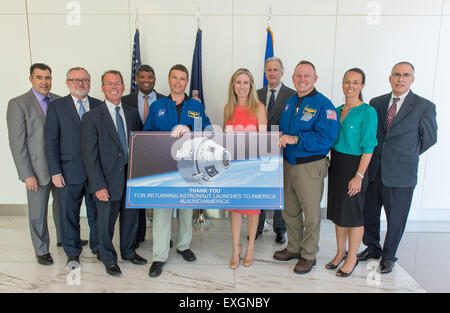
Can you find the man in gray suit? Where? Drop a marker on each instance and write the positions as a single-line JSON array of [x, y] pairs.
[[274, 97], [26, 121], [406, 128]]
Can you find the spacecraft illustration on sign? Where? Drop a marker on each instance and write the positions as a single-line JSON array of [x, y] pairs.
[[202, 160]]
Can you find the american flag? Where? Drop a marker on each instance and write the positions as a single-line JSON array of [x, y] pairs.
[[135, 62]]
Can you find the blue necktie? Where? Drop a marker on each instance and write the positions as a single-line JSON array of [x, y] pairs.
[[121, 132], [81, 110], [271, 100], [47, 100]]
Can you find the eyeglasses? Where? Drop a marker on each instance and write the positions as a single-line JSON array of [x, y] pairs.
[[404, 75], [109, 84], [77, 81]]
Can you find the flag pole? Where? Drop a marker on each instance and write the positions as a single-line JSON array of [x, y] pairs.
[[201, 223]]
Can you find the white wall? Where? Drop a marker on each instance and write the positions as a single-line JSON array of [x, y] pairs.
[[334, 34]]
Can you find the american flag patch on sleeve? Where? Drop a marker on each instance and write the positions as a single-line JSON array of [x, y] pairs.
[[331, 115]]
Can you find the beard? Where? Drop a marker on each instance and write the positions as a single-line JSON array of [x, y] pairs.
[[80, 93]]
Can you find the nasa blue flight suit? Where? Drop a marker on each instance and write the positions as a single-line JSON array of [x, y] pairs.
[[163, 116], [313, 119]]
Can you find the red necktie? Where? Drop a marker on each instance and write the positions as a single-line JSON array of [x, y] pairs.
[[391, 113], [146, 107]]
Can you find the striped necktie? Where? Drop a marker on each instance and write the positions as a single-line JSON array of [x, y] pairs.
[[121, 132], [391, 113]]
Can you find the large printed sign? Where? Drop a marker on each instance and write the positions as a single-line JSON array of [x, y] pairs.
[[205, 170]]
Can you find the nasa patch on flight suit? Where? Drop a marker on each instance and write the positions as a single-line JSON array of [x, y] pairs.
[[161, 113], [193, 114], [308, 114]]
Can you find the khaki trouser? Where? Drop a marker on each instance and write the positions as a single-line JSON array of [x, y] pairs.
[[303, 189], [162, 229]]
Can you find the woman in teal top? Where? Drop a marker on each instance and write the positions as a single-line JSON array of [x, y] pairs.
[[350, 157]]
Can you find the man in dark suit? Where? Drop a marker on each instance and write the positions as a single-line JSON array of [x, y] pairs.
[[141, 100], [26, 121], [104, 146], [406, 128], [274, 97], [63, 144]]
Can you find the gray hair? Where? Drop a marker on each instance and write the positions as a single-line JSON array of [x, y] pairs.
[[274, 59], [78, 68], [404, 63]]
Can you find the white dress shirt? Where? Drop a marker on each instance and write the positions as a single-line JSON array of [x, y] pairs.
[[112, 110]]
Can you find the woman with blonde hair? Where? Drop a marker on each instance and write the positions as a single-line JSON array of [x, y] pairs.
[[243, 112]]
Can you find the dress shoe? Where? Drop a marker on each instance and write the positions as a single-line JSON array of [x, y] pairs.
[[331, 266], [156, 269], [281, 238], [249, 261], [366, 255], [234, 266], [136, 245], [285, 255], [340, 273], [188, 255], [113, 270], [304, 266], [97, 253], [138, 260], [386, 266], [59, 244], [45, 259], [171, 243], [73, 262]]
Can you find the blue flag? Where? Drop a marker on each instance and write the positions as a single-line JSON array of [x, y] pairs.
[[135, 62], [196, 88], [269, 52]]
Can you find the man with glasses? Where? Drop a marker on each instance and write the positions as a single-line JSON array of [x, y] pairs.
[[26, 120], [65, 164], [406, 128], [104, 145]]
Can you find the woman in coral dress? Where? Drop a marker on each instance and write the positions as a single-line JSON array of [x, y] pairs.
[[243, 112]]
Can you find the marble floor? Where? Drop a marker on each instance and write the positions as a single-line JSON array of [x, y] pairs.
[[19, 271]]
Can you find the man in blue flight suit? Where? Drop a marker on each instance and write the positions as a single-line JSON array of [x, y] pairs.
[[310, 127], [177, 113]]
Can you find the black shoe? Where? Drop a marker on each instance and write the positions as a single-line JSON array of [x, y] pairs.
[[188, 255], [113, 270], [73, 262], [138, 260], [281, 238], [136, 245], [386, 266], [331, 266], [97, 253], [156, 269], [343, 274], [84, 242], [45, 259], [59, 244], [171, 243], [366, 255]]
